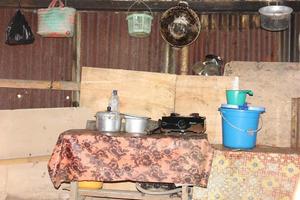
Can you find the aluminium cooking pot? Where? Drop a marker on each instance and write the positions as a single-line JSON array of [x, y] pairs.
[[136, 124], [108, 121]]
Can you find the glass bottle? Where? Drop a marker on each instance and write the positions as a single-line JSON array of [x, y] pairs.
[[114, 101]]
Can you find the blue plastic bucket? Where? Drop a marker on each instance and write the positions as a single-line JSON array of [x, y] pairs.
[[240, 126]]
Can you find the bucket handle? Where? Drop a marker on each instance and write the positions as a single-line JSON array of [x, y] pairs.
[[140, 1], [250, 132]]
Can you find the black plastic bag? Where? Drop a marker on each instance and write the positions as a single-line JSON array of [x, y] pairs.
[[18, 31]]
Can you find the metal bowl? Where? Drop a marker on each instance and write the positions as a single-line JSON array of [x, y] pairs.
[[275, 18]]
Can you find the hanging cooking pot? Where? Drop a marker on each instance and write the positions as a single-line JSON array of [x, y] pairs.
[[275, 17], [180, 25]]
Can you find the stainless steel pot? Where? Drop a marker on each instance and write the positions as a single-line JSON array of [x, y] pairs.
[[108, 121], [275, 17], [136, 124]]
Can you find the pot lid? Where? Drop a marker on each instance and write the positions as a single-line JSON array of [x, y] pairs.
[[180, 25]]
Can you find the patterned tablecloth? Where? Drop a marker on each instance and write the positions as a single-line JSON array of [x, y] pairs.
[[264, 173], [89, 155]]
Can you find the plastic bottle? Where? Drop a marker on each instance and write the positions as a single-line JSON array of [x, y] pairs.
[[114, 101]]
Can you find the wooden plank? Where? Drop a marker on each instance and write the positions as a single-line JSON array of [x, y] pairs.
[[141, 93], [295, 123], [24, 160], [204, 95], [123, 194], [37, 84], [274, 85], [34, 132]]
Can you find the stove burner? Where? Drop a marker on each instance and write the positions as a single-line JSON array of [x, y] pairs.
[[181, 125]]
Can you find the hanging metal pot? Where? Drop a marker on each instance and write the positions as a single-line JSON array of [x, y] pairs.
[[180, 25], [275, 17]]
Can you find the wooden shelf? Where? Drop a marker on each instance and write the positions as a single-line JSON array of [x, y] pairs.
[[124, 194], [77, 193]]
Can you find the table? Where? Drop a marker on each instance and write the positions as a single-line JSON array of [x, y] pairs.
[[269, 173], [92, 156]]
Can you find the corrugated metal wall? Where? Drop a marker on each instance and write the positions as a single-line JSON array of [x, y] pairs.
[[106, 43], [231, 36], [45, 59]]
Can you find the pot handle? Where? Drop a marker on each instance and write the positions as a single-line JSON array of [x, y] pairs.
[[183, 4]]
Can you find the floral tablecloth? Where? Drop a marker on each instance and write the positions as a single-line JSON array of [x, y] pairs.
[[264, 173], [89, 155]]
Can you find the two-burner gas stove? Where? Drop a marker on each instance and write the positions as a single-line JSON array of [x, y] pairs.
[[176, 124]]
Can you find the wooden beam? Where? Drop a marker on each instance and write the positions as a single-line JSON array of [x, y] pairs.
[[32, 159], [155, 5], [76, 67], [295, 123], [37, 84]]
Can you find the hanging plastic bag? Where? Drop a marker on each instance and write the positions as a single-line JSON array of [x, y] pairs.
[[18, 31]]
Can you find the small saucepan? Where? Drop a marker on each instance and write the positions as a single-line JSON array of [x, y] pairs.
[[136, 124]]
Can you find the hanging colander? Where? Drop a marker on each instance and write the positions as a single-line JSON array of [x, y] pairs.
[[180, 25]]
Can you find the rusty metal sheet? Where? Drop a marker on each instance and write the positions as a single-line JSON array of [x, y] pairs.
[[45, 59], [106, 43]]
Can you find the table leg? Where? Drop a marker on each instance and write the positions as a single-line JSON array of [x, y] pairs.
[[74, 191], [185, 193]]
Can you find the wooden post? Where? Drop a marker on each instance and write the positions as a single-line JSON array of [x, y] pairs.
[[184, 61], [167, 58], [185, 193], [76, 69], [74, 195], [295, 123]]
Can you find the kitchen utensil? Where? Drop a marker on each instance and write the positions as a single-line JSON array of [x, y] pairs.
[[108, 121], [275, 17], [139, 23], [136, 124], [237, 97], [180, 25]]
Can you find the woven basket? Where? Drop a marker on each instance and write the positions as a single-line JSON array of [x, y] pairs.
[[139, 24], [56, 21]]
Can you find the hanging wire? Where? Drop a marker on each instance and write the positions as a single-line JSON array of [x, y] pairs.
[[19, 4], [138, 2]]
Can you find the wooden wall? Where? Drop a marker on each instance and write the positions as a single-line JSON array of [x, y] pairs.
[[155, 95], [274, 85]]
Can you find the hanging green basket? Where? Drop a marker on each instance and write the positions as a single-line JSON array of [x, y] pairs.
[[139, 24]]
